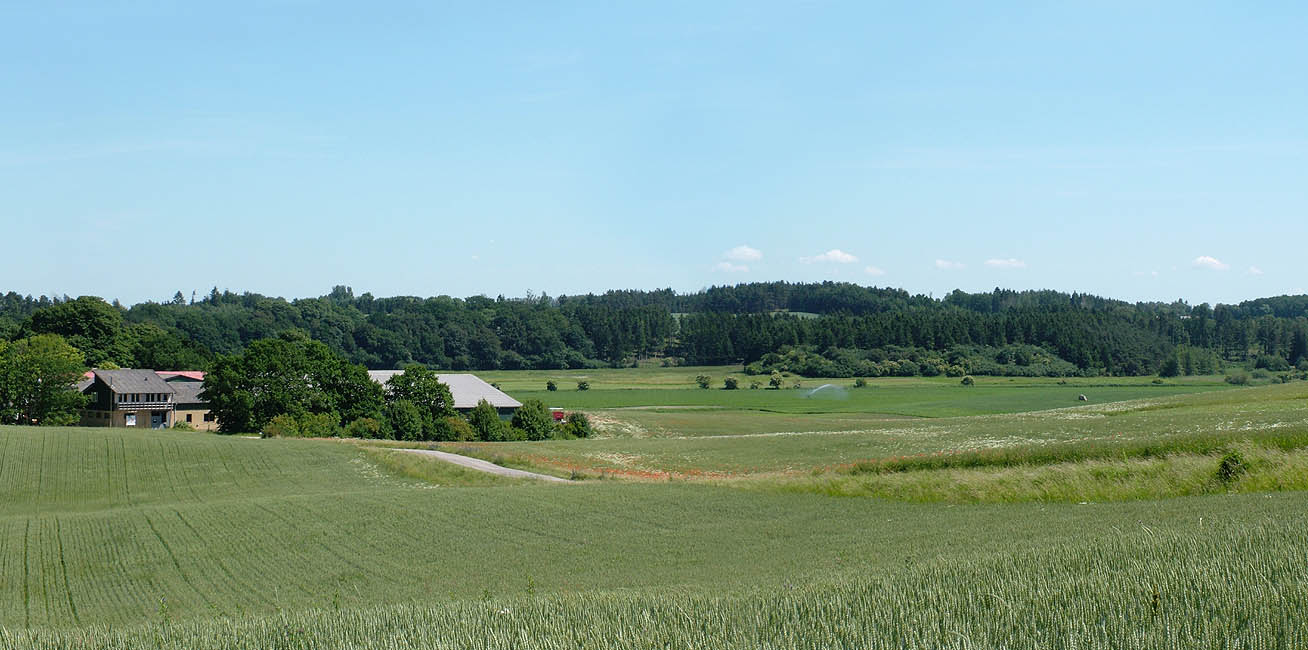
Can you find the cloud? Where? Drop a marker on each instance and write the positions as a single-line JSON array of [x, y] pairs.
[[946, 265], [728, 267], [833, 255], [872, 270], [1253, 270], [743, 253], [1210, 263], [1010, 263]]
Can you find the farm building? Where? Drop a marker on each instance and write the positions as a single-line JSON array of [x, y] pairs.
[[191, 408], [145, 398], [127, 398], [467, 390]]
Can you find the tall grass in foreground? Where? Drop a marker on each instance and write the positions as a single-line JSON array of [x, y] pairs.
[[1214, 586], [1240, 467]]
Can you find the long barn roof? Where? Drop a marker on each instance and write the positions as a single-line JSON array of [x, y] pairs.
[[467, 389]]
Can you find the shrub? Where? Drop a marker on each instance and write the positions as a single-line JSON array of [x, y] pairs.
[[577, 424], [1231, 467], [281, 426], [319, 425], [967, 380], [456, 429], [551, 386], [1237, 378], [860, 383], [775, 380], [182, 426], [365, 428], [533, 419], [731, 383], [703, 381], [583, 385], [485, 420], [755, 385], [1260, 374], [403, 420]]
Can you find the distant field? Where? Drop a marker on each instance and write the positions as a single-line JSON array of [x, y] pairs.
[[649, 444], [916, 399], [607, 379]]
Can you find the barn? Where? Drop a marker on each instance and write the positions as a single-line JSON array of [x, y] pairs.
[[467, 390]]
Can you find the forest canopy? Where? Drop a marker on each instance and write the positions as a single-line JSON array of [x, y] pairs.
[[842, 327]]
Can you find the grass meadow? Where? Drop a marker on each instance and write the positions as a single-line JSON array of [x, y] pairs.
[[651, 443], [1174, 517]]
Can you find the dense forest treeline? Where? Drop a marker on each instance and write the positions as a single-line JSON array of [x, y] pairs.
[[850, 326]]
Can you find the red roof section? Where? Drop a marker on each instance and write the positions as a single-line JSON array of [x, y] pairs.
[[197, 375]]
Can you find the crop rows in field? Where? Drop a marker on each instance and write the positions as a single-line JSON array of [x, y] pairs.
[[1222, 584], [74, 469], [315, 530]]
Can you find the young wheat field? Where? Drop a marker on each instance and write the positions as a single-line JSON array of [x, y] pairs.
[[1173, 520]]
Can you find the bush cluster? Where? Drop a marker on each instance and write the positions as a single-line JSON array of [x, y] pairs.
[[895, 361], [418, 407]]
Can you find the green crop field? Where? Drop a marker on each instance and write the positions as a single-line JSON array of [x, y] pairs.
[[707, 441], [804, 532]]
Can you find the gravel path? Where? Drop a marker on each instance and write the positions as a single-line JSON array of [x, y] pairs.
[[485, 466]]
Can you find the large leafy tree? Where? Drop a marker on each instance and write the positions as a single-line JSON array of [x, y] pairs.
[[422, 388], [36, 379], [158, 349], [88, 324], [288, 374]]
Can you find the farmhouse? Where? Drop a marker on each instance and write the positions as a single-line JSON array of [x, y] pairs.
[[145, 398], [127, 398], [467, 390]]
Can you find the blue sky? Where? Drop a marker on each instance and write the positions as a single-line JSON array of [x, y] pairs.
[[1147, 151]]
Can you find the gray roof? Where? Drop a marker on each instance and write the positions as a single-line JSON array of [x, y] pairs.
[[134, 381], [467, 389], [187, 392]]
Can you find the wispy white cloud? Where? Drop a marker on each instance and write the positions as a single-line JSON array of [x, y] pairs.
[[833, 255], [1010, 263], [1152, 274], [1210, 263], [872, 270], [946, 265], [1253, 270], [728, 267], [743, 253]]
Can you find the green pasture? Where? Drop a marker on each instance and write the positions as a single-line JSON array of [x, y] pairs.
[[652, 376], [650, 445], [936, 398]]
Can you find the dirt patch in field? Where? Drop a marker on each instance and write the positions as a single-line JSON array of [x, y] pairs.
[[611, 426]]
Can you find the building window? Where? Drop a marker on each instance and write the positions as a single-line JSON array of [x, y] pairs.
[[208, 417], [188, 417], [131, 420]]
